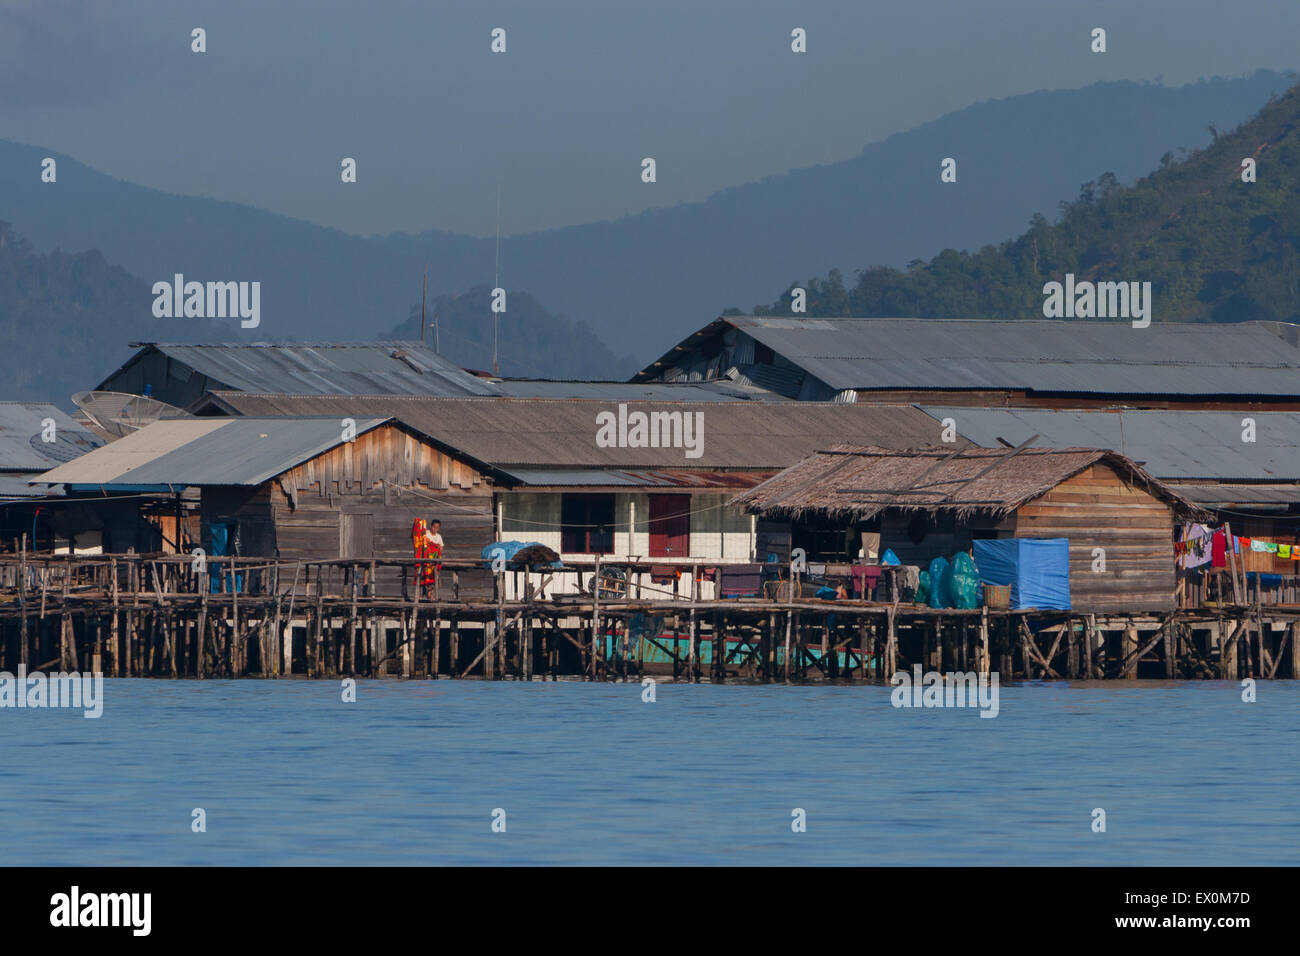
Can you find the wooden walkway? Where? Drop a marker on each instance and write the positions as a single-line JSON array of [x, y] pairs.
[[167, 616]]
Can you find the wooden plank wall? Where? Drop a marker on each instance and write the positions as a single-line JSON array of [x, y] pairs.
[[386, 473], [1283, 532], [1097, 508]]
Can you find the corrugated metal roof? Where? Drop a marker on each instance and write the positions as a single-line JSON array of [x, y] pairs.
[[348, 368], [206, 451], [1239, 496], [22, 445], [1171, 444], [606, 478], [539, 433], [15, 484], [718, 391], [572, 477], [1249, 358], [784, 381]]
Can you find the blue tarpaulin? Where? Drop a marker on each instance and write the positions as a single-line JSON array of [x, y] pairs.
[[511, 548], [218, 547], [1038, 569]]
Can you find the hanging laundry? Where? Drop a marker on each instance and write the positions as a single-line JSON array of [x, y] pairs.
[[1256, 545], [1219, 550], [1195, 546], [1284, 551]]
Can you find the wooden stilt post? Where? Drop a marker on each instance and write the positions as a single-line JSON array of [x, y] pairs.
[[864, 647], [1228, 640], [435, 650], [1006, 666], [986, 663], [201, 638], [1294, 628], [891, 645], [22, 604], [769, 648], [453, 651], [1171, 650], [1130, 646], [715, 627], [692, 651], [1072, 651], [789, 626], [595, 619], [171, 644], [801, 640], [1089, 650]]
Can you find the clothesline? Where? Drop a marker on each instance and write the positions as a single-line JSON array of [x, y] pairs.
[[1201, 545]]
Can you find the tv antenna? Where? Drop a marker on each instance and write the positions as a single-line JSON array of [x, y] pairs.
[[496, 284], [424, 292]]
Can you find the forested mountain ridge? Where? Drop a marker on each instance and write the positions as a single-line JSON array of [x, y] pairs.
[[644, 280], [66, 319], [1215, 248]]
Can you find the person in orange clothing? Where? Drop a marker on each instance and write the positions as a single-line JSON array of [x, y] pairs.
[[427, 545]]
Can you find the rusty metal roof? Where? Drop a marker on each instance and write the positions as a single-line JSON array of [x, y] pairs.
[[648, 480], [540, 433]]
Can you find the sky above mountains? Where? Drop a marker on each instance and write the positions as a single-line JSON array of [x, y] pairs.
[[560, 122]]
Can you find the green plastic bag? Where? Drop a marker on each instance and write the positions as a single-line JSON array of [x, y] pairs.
[[939, 574], [965, 587], [923, 588]]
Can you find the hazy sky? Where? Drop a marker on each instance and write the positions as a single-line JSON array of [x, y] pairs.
[[561, 121]]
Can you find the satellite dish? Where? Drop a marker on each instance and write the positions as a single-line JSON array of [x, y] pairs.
[[64, 448], [113, 415]]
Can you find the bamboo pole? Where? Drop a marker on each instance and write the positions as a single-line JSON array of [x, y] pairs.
[[22, 604]]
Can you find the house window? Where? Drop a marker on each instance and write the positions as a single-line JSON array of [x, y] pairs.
[[763, 355], [588, 524]]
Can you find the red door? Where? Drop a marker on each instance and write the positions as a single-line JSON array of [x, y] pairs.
[[670, 526]]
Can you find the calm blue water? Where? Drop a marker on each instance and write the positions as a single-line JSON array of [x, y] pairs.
[[587, 773]]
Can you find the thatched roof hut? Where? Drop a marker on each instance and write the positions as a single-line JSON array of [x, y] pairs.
[[934, 502], [855, 482]]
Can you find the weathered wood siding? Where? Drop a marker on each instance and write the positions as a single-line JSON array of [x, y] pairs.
[[1097, 509], [359, 500], [1281, 532], [249, 509]]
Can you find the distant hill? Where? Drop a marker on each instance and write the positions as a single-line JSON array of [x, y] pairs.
[[1215, 248], [532, 343], [65, 320], [645, 280]]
